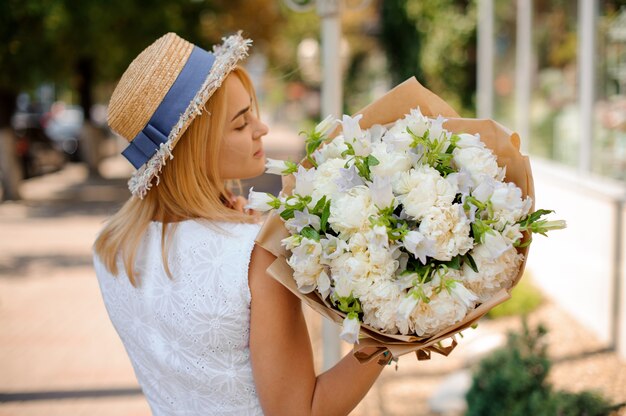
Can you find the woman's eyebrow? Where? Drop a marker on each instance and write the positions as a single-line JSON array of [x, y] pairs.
[[243, 111]]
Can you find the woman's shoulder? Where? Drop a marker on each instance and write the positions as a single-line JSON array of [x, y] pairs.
[[221, 230]]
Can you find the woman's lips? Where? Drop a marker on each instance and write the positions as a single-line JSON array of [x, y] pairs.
[[259, 153]]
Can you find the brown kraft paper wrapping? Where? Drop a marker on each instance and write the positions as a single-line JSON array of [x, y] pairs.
[[389, 108]]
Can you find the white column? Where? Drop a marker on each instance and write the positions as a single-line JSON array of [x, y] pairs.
[[587, 15], [523, 70], [485, 59], [332, 93]]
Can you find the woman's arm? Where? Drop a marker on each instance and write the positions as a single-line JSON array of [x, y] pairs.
[[282, 359]]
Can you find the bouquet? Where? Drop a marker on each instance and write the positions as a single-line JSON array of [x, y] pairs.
[[402, 229]]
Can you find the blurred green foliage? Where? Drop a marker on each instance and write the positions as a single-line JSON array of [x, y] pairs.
[[512, 382], [435, 40], [93, 41], [525, 298]]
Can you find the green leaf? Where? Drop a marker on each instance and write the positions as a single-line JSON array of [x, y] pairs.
[[319, 206], [325, 216], [471, 262], [310, 233], [372, 161], [287, 214], [454, 263]]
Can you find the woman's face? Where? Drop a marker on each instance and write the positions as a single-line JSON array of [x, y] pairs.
[[241, 153]]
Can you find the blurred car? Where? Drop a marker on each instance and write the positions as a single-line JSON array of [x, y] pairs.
[[37, 153], [63, 124]]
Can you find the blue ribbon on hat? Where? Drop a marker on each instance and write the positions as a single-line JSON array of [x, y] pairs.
[[174, 104]]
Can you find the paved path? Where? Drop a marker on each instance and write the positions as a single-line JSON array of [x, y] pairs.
[[59, 354]]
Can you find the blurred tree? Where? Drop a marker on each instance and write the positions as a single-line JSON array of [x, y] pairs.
[[91, 42], [435, 40]]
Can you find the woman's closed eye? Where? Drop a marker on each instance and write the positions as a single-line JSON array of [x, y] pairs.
[[243, 126]]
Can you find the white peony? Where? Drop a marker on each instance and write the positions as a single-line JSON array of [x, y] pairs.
[[305, 262], [380, 304], [421, 189], [493, 274], [350, 212], [325, 180], [477, 161], [390, 162], [449, 228]]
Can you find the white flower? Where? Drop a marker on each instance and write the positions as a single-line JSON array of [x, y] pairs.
[[381, 191], [302, 219], [332, 247], [327, 175], [484, 190], [418, 245], [351, 128], [469, 140], [423, 188], [352, 133], [380, 305], [326, 126], [507, 196], [323, 284], [493, 274], [332, 150], [349, 212], [304, 261], [291, 242], [449, 228], [437, 130], [495, 244], [260, 201], [350, 329], [279, 167], [390, 162], [416, 122], [398, 141], [477, 161], [348, 179], [304, 181], [463, 295], [461, 180], [407, 305]]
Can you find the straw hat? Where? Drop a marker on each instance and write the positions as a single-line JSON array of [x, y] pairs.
[[160, 94]]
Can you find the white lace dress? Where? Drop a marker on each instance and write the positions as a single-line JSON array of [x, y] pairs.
[[188, 337]]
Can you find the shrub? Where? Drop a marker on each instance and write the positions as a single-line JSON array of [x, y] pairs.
[[512, 382]]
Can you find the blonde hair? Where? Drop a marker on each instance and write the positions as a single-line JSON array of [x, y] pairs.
[[189, 187]]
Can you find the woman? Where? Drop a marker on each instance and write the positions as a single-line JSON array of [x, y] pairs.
[[207, 330]]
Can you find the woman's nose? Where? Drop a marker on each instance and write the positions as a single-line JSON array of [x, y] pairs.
[[261, 129]]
